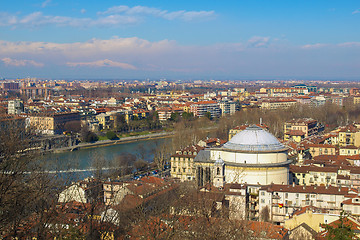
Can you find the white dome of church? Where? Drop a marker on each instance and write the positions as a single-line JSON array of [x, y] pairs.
[[254, 139]]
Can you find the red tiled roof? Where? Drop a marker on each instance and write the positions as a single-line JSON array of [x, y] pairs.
[[311, 168], [350, 202], [355, 226], [307, 189]]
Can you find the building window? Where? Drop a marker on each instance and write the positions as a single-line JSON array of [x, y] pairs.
[[218, 171]]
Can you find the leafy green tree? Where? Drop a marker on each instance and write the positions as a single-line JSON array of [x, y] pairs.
[[187, 116], [111, 135], [340, 231], [91, 137], [121, 124], [208, 115], [175, 117]]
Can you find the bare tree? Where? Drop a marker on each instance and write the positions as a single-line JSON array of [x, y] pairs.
[[25, 189], [265, 214]]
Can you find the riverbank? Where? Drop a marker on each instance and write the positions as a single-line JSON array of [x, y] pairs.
[[112, 142]]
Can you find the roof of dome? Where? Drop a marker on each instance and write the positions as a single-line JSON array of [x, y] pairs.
[[254, 139]]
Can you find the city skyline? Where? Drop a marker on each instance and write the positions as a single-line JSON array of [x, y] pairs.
[[180, 40]]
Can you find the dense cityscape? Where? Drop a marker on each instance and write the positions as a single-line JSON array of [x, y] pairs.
[[271, 159], [161, 120]]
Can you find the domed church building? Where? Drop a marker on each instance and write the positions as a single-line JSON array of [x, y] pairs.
[[253, 156]]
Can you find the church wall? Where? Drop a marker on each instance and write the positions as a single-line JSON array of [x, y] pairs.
[[263, 176], [249, 158]]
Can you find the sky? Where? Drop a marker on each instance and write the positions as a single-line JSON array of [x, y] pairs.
[[129, 39]]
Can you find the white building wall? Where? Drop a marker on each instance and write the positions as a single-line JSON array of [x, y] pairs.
[[249, 158], [72, 193], [292, 201], [252, 176]]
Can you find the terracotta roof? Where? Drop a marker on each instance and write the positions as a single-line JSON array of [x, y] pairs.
[[343, 177], [302, 121], [311, 168], [153, 180], [307, 189], [267, 230], [350, 201], [347, 221], [243, 127], [320, 145], [205, 102], [349, 147], [309, 208]]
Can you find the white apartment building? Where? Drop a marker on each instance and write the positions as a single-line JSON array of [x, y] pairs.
[[283, 200]]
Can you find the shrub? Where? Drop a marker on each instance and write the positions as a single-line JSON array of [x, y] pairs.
[[111, 135]]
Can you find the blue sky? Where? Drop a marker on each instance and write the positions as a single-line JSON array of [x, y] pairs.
[[257, 39]]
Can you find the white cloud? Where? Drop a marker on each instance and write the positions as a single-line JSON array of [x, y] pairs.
[[37, 19], [313, 46], [45, 3], [349, 44], [92, 47], [149, 11], [258, 42], [102, 63], [21, 63], [356, 11], [163, 57], [7, 19], [119, 15], [323, 45]]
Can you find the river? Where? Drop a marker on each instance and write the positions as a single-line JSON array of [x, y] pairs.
[[105, 155]]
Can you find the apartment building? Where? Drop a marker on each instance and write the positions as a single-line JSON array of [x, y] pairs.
[[227, 107], [15, 106], [349, 150], [275, 104], [284, 200], [321, 149], [336, 175], [352, 206], [349, 135], [311, 175], [52, 123], [308, 126], [199, 109], [182, 163]]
